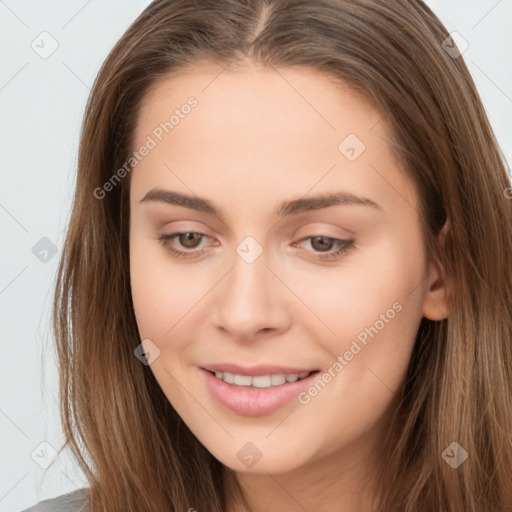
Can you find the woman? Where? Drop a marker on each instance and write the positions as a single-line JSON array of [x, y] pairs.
[[286, 282]]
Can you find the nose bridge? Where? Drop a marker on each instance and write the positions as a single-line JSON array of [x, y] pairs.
[[250, 299]]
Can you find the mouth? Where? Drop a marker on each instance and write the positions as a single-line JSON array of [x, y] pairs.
[[258, 391]]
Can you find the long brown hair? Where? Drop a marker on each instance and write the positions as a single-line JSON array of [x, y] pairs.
[[135, 450]]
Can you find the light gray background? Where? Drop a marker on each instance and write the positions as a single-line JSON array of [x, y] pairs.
[[42, 102]]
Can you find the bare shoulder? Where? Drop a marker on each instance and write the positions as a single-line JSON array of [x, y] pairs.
[[75, 501]]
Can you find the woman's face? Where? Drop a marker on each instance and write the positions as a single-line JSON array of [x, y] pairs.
[[304, 254]]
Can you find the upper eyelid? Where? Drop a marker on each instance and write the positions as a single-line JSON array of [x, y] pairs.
[[316, 230]]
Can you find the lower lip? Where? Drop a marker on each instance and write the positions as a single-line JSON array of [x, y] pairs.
[[252, 401]]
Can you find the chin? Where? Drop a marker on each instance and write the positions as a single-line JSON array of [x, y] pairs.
[[249, 459]]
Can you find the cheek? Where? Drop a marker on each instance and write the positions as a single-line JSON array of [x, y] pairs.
[[164, 299], [373, 308], [162, 294], [368, 288]]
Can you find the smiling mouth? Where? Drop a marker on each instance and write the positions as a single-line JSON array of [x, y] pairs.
[[261, 381]]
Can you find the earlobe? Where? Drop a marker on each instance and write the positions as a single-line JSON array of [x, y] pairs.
[[437, 304]]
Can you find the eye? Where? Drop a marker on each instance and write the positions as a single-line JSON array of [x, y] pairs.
[[188, 240], [323, 245]]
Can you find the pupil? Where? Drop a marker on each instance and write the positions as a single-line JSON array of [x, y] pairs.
[[187, 239], [325, 244]]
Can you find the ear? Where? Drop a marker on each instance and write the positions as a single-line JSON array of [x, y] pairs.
[[436, 305]]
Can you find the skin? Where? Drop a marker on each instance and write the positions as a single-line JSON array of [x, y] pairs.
[[257, 137]]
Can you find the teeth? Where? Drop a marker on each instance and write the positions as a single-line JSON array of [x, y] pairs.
[[278, 379], [243, 380], [261, 381]]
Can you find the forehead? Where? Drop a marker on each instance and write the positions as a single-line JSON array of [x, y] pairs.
[[278, 97], [260, 127]]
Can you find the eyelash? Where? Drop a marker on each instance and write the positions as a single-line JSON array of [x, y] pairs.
[[343, 246]]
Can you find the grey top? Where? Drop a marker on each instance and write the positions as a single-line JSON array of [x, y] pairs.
[[74, 501]]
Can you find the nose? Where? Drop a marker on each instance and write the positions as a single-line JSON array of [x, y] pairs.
[[252, 301]]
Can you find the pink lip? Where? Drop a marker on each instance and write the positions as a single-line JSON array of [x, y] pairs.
[[254, 371], [252, 401]]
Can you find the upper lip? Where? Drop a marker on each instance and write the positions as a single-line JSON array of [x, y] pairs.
[[255, 371]]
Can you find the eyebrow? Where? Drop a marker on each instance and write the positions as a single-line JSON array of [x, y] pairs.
[[286, 208]]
